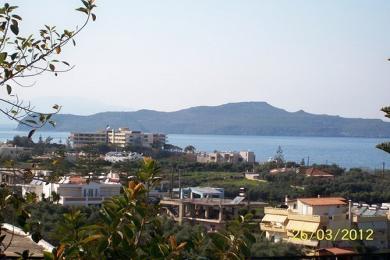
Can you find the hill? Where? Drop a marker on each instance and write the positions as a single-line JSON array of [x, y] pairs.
[[245, 118]]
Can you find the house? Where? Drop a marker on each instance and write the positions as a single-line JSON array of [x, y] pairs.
[[283, 170], [375, 218], [77, 190], [304, 217], [314, 172], [114, 157], [305, 221]]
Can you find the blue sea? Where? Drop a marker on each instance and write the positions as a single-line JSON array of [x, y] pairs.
[[347, 152]]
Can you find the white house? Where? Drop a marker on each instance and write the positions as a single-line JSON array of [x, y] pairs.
[[77, 190]]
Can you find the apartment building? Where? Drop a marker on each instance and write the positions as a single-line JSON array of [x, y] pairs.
[[375, 218], [84, 139], [226, 157], [304, 221], [77, 190], [121, 137], [8, 151]]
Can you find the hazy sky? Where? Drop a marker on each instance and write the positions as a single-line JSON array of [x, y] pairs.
[[319, 56]]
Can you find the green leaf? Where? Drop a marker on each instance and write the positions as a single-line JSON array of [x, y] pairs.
[[9, 89], [52, 67], [30, 134], [3, 56], [82, 9], [56, 106], [93, 17], [17, 17], [14, 27]]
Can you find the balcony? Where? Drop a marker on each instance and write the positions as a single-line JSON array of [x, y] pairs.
[[80, 200], [272, 228]]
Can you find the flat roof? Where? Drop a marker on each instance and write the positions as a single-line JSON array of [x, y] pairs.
[[323, 201]]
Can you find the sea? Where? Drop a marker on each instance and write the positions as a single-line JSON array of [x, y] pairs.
[[347, 152]]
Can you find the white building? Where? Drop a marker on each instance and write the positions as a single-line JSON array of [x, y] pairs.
[[121, 137], [122, 156], [77, 190], [226, 157], [124, 136], [14, 152]]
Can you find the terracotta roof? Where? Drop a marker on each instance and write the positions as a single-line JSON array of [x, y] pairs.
[[77, 180], [324, 201], [339, 251], [314, 172]]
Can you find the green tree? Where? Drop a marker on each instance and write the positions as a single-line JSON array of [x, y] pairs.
[[189, 149], [23, 58], [385, 146]]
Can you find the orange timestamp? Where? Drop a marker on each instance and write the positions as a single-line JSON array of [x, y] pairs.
[[335, 234]]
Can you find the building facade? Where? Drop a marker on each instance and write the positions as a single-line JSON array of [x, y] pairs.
[[226, 157], [76, 190], [308, 222], [84, 139], [121, 137]]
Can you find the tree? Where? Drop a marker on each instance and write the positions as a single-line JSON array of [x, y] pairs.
[[279, 157], [24, 57], [385, 146], [189, 149]]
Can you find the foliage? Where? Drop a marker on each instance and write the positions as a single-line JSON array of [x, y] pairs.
[[385, 146], [23, 57]]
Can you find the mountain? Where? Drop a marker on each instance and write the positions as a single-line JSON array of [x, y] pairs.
[[245, 118]]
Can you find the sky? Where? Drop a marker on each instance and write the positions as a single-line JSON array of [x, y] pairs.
[[324, 57]]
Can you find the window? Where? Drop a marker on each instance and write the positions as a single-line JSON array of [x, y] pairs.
[[85, 193], [90, 192]]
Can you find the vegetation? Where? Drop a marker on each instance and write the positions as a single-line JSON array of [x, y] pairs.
[[23, 57], [385, 146]]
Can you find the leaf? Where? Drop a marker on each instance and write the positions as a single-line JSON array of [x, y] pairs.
[[58, 49], [91, 238], [9, 89], [82, 9], [93, 17], [30, 134], [17, 17], [52, 123], [14, 28], [3, 56], [52, 67], [31, 121], [66, 63], [74, 42]]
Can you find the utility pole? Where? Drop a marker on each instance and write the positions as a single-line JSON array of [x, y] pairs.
[[179, 183], [383, 169], [308, 160], [171, 186]]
